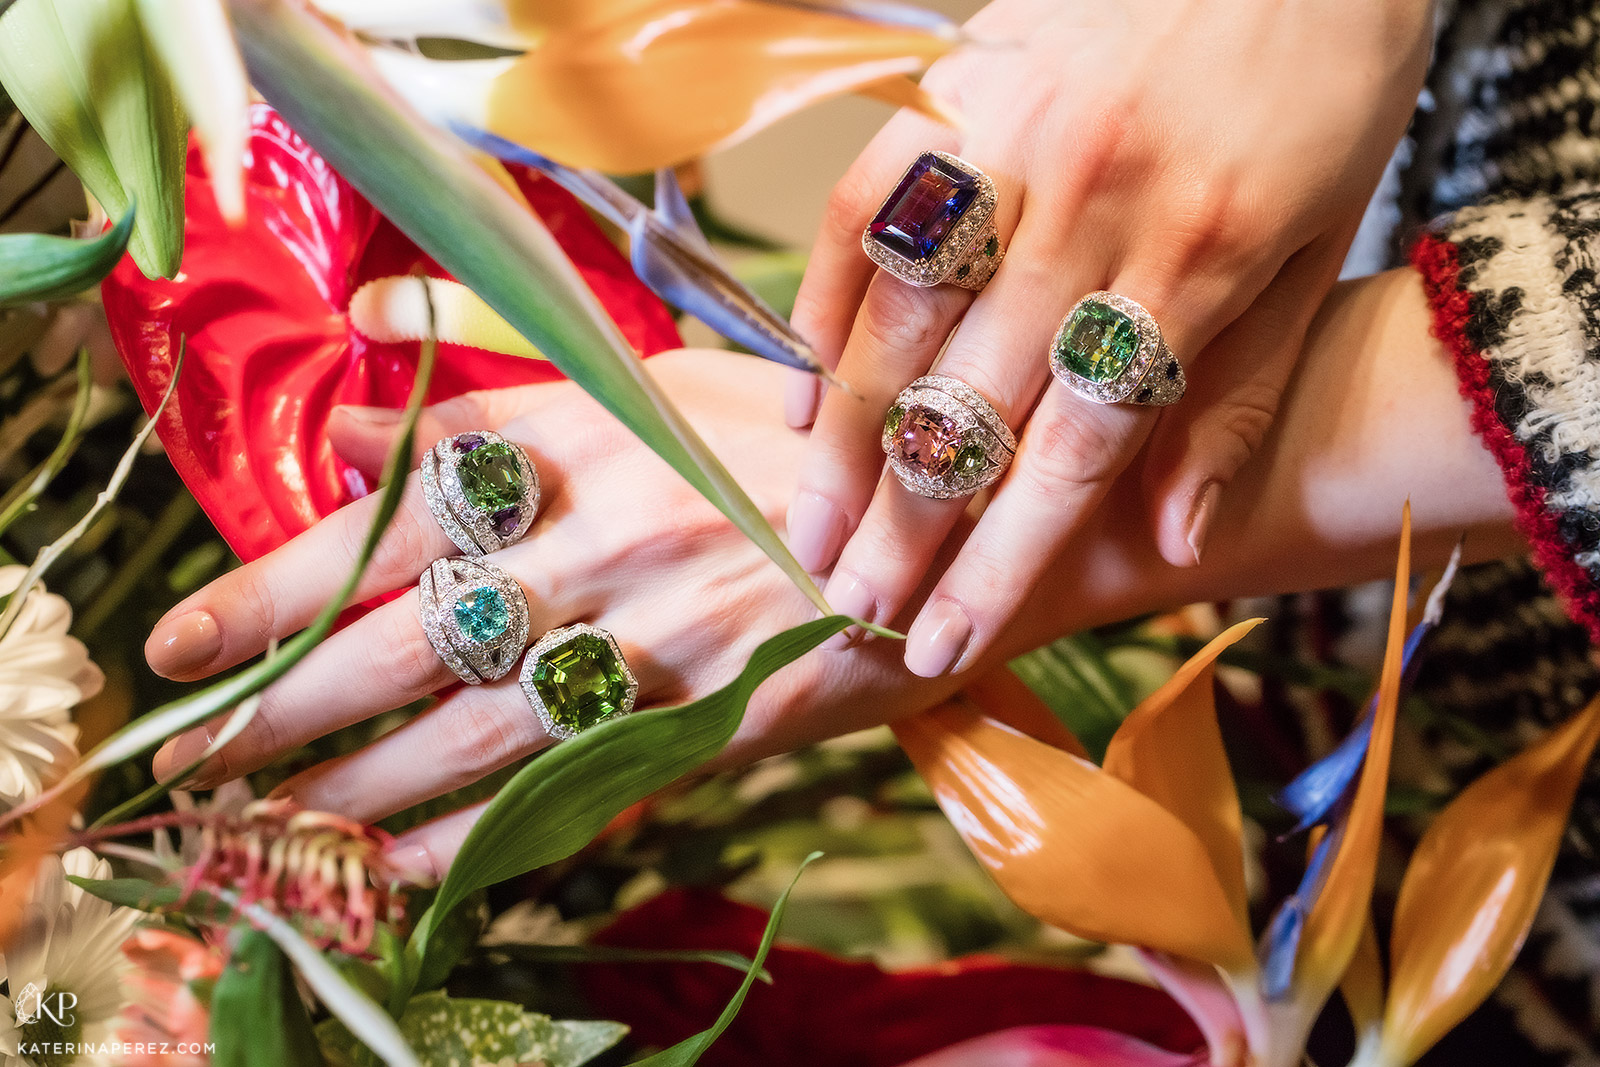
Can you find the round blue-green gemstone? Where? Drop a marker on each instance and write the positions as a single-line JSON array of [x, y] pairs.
[[482, 614]]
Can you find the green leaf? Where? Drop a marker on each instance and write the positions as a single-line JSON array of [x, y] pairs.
[[36, 267], [257, 1017], [82, 74], [472, 227], [560, 801], [22, 496], [137, 893], [1076, 679], [688, 1051], [450, 1032], [608, 954]]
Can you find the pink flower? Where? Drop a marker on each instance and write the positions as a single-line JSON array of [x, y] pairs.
[[165, 1009]]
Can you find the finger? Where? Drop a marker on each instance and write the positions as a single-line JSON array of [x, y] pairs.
[[897, 336], [234, 617], [837, 273], [1199, 445], [473, 731], [1000, 350], [364, 436], [432, 847]]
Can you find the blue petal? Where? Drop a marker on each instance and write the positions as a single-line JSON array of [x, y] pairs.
[[1280, 944]]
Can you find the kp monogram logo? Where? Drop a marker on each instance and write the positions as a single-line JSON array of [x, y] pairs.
[[32, 1005]]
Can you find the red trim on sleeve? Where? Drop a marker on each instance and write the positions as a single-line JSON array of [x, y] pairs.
[[1437, 261]]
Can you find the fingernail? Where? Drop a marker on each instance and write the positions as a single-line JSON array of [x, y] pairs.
[[849, 595], [177, 754], [816, 531], [376, 418], [183, 644], [937, 639], [1200, 516], [414, 860], [802, 398]]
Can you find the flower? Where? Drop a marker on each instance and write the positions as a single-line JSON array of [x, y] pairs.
[[64, 970], [167, 986], [43, 674]]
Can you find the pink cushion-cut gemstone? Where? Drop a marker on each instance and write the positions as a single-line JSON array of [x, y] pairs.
[[924, 208], [927, 441]]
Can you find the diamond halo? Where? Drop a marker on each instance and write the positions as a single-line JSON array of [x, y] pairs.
[[474, 530]]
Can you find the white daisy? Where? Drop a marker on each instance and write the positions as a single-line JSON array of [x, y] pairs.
[[64, 970], [43, 674]]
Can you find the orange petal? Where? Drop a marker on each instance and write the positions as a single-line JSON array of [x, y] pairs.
[[1333, 928], [1362, 984], [1005, 698], [1170, 749], [38, 835], [668, 81], [1474, 884], [1072, 845]]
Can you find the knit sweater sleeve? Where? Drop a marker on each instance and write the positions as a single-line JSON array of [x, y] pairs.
[[1516, 300]]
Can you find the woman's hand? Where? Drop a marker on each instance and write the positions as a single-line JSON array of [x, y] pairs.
[[1210, 159]]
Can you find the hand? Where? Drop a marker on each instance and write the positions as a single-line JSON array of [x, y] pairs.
[[1210, 159]]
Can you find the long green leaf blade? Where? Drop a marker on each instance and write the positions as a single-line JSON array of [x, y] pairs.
[[36, 267], [456, 213], [257, 1017], [559, 802]]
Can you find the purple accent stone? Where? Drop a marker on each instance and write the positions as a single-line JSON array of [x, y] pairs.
[[924, 208], [466, 442], [505, 521]]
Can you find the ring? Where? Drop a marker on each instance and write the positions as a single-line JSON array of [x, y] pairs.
[[576, 678], [1109, 350], [945, 440], [475, 616], [483, 490], [938, 225]]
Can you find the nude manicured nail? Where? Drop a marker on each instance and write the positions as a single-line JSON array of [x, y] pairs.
[[849, 595], [816, 531], [937, 639], [178, 753], [1200, 516], [415, 860], [802, 398], [183, 644]]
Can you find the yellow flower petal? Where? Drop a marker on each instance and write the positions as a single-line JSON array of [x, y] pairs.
[[396, 308], [1170, 749], [1072, 845], [1474, 884]]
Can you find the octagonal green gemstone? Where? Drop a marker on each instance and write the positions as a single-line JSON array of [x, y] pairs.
[[490, 477], [482, 613], [581, 682], [1098, 342]]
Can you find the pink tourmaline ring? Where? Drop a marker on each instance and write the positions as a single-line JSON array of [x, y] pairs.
[[937, 225], [944, 440]]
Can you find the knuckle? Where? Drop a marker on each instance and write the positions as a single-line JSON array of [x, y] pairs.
[[459, 414], [405, 548], [1248, 416], [899, 318], [252, 591], [1071, 450], [406, 657], [485, 737]]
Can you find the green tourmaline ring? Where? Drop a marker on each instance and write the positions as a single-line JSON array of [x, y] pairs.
[[475, 616], [576, 678], [1109, 350], [482, 489], [945, 440]]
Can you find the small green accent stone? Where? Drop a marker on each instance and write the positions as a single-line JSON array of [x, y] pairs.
[[991, 248], [581, 682], [963, 270], [1098, 343], [482, 613], [891, 423], [970, 460], [491, 478]]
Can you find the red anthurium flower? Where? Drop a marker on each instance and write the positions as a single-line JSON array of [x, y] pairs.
[[270, 349], [820, 1009]]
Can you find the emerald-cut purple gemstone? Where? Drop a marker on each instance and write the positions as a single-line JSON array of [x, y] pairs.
[[924, 208]]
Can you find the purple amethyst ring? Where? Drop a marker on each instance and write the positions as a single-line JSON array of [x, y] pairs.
[[483, 490], [937, 226], [944, 440]]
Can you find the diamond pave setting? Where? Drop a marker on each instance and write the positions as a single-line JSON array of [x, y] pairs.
[[483, 489], [944, 440], [576, 678], [937, 225], [475, 616], [1109, 349]]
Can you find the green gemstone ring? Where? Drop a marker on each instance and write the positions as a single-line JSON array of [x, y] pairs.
[[945, 440], [483, 490], [475, 616], [1110, 350], [576, 678]]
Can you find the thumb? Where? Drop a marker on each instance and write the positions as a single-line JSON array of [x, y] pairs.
[[364, 436]]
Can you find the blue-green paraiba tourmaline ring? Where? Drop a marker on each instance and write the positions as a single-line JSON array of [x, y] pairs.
[[575, 678], [475, 616], [1110, 350], [483, 490]]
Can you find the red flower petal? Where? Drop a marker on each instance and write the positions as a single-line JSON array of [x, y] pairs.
[[846, 1013], [270, 347]]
